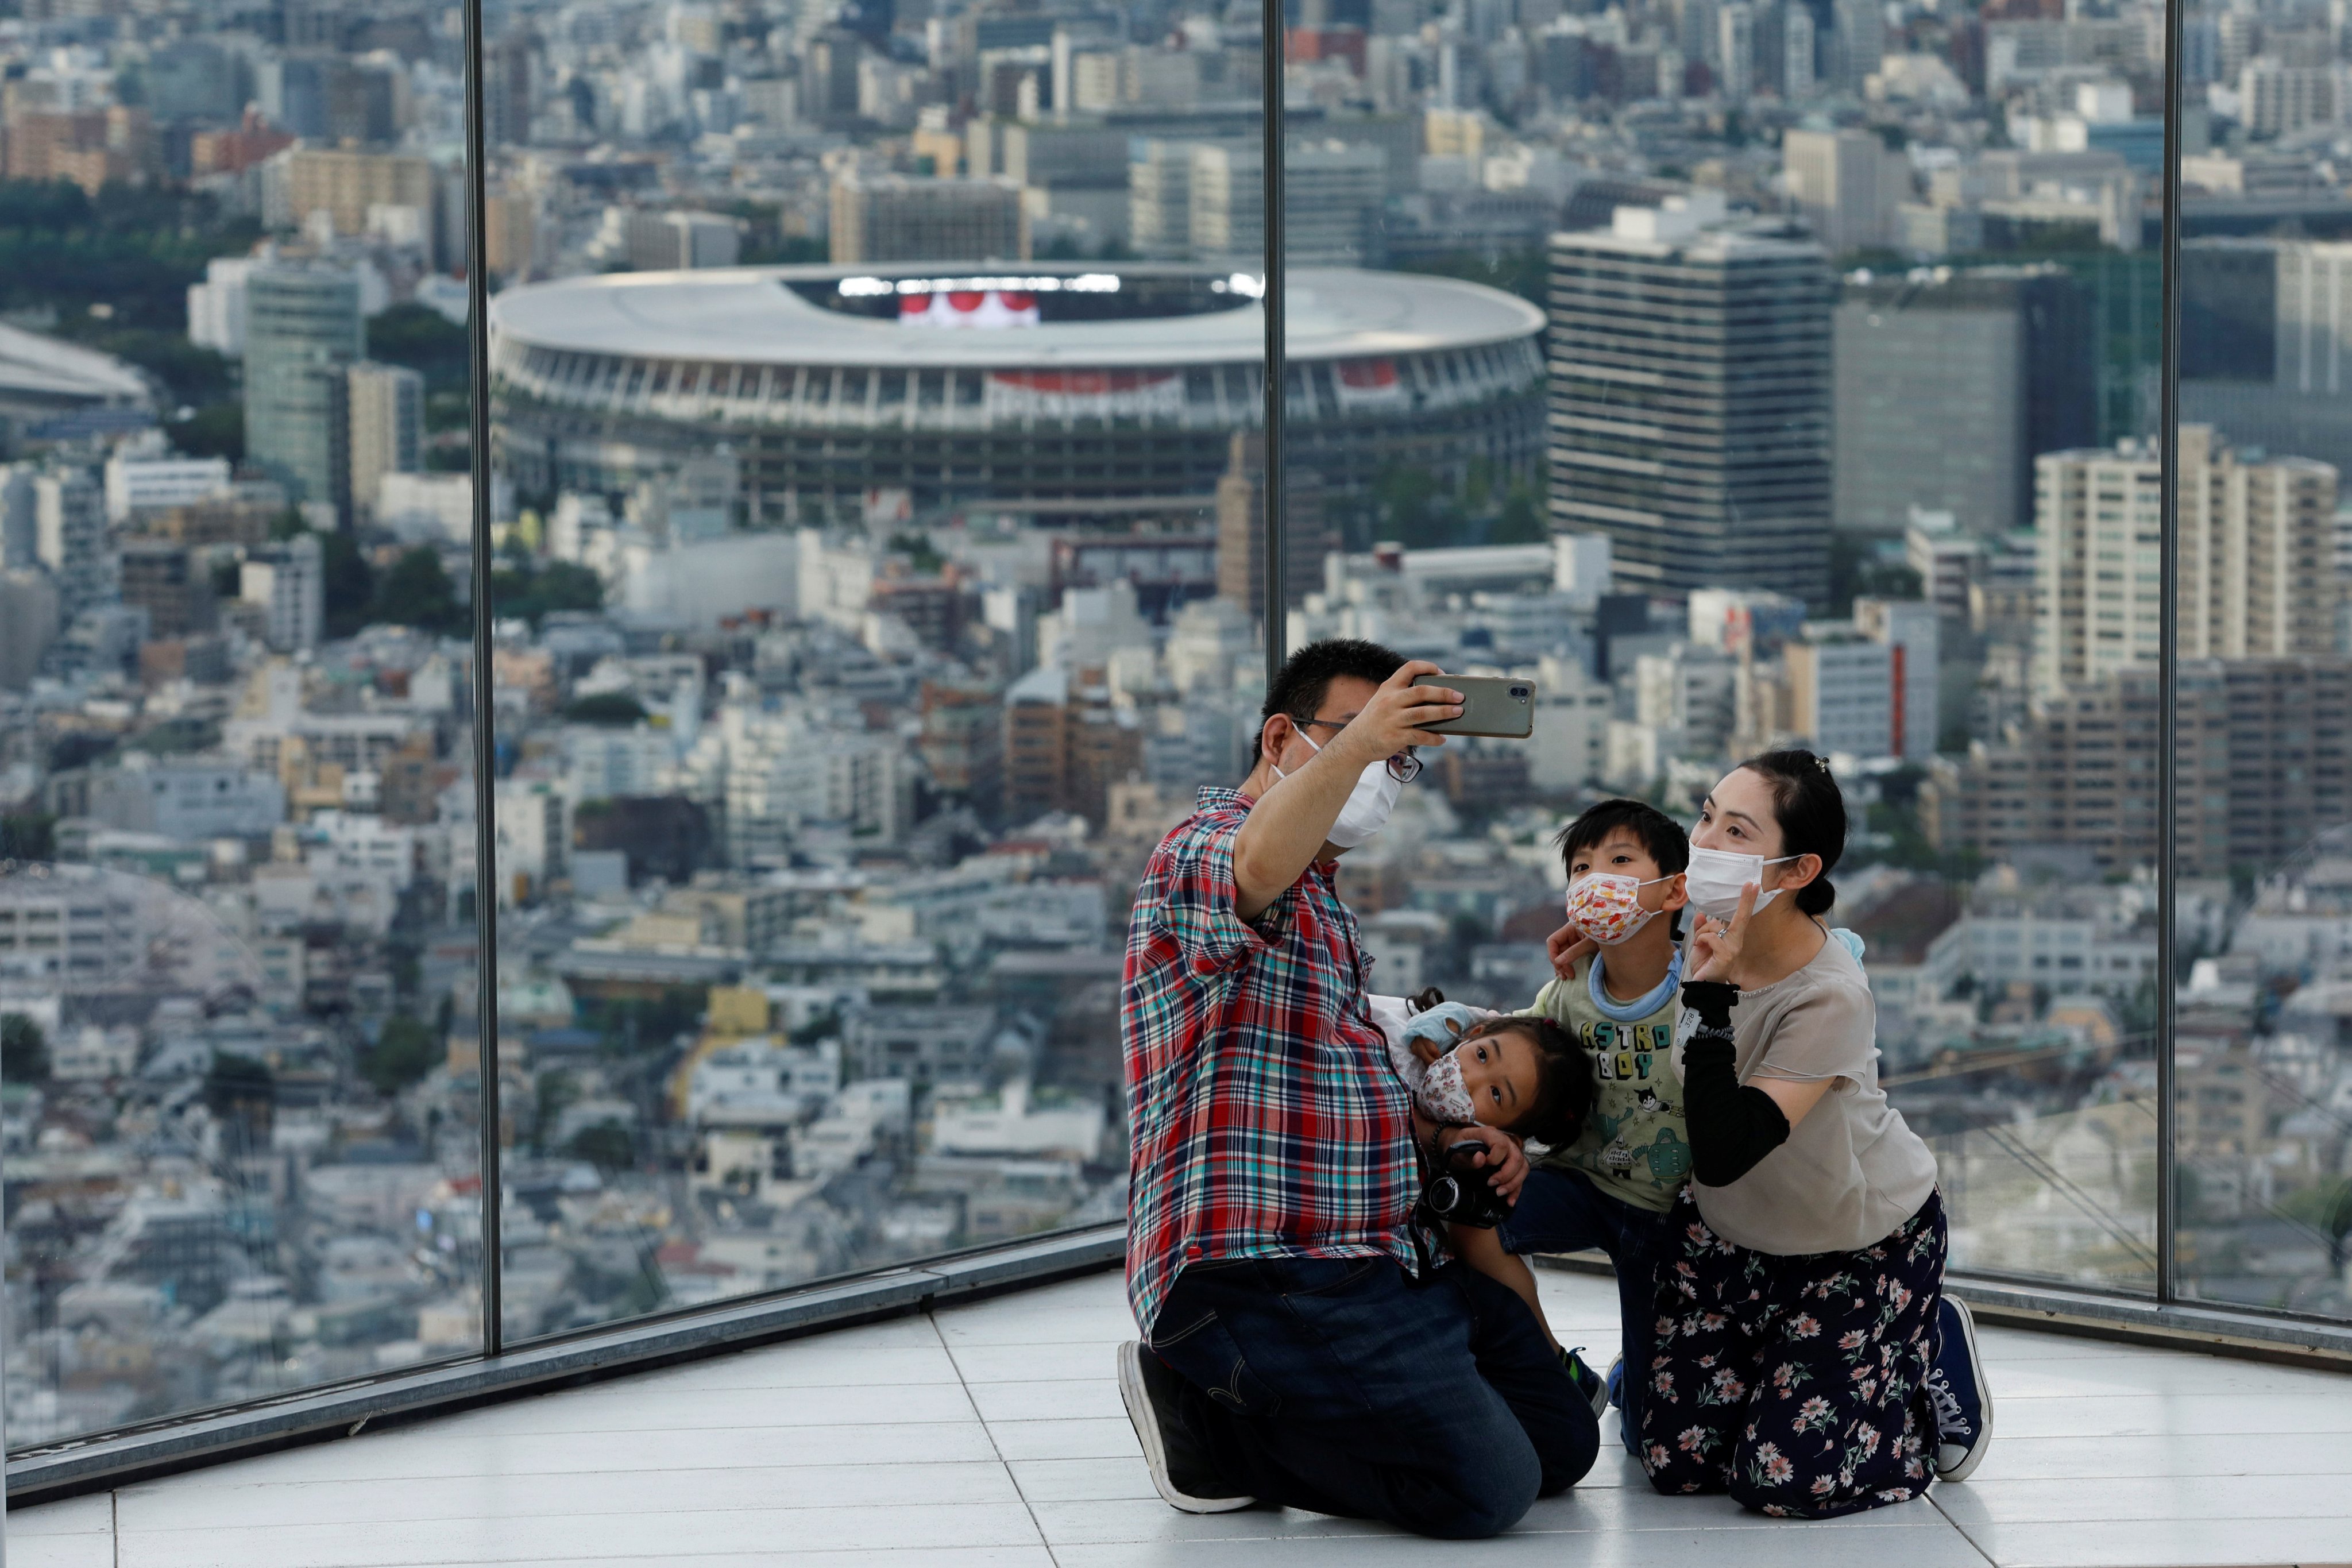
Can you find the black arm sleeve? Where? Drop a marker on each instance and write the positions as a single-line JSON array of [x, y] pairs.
[[1732, 1125]]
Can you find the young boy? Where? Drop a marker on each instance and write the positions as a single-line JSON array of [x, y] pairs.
[[1610, 1188]]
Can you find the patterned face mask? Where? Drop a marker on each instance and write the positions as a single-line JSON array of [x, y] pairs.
[[1607, 907], [1443, 1095]]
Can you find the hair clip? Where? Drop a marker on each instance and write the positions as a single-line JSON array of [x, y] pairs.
[[1821, 762]]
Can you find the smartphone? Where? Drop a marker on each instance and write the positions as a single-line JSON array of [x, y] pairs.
[[1499, 705]]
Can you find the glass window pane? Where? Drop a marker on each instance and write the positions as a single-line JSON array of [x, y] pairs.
[[863, 623], [1755, 392], [2264, 1200], [237, 951]]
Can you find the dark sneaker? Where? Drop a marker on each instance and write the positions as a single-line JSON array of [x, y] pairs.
[[1957, 1392], [1180, 1470], [1589, 1383], [1617, 1383]]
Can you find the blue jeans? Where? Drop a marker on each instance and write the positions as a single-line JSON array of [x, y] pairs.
[[1346, 1386], [1562, 1211]]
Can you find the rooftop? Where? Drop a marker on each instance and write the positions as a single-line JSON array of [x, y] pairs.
[[748, 314], [990, 1435]]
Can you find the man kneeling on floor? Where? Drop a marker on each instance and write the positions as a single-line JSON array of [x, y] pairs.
[[1305, 1344]]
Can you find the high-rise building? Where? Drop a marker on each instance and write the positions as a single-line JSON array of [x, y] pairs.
[[28, 624], [288, 582], [387, 420], [216, 305], [69, 538], [1948, 388], [1306, 536], [171, 583], [1064, 744], [302, 332], [893, 217], [2254, 551], [2260, 768], [1160, 197], [1333, 192], [1690, 399], [1858, 37], [674, 241], [2266, 343], [2278, 99], [347, 183], [1846, 185]]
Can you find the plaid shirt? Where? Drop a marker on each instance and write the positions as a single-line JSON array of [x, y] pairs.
[[1267, 1120]]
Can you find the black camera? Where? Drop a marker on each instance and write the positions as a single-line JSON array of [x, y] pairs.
[[1457, 1193]]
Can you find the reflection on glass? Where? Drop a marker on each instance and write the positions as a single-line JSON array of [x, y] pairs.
[[236, 946], [2263, 1078], [878, 579], [1842, 325]]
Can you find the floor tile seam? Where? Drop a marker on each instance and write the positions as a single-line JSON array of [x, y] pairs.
[[478, 1516], [1019, 1491], [662, 1470], [535, 1474], [1961, 1530]]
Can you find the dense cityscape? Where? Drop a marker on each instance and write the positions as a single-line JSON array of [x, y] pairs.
[[877, 489]]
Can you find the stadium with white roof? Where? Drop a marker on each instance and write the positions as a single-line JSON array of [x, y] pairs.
[[1062, 390]]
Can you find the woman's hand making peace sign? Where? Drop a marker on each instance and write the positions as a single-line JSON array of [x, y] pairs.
[[1716, 947]]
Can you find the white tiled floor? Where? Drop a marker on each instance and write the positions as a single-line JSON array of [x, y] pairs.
[[991, 1437]]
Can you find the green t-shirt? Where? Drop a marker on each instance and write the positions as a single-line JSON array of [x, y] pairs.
[[1635, 1145]]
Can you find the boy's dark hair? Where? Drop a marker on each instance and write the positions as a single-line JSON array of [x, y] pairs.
[[1660, 835], [1810, 810], [1305, 676], [1564, 1085]]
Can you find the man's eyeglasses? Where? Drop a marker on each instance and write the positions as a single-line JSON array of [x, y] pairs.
[[1404, 767]]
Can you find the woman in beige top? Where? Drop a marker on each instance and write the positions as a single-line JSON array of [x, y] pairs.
[[1807, 1359]]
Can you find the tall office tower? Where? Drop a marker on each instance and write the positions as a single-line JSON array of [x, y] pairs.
[[170, 581], [1690, 399], [1735, 53], [289, 583], [1227, 216], [2253, 786], [302, 333], [1307, 535], [2266, 343], [69, 538], [1160, 197], [1333, 195], [216, 305], [387, 417], [28, 624], [2255, 541], [507, 69], [891, 217], [1846, 185], [1797, 52], [346, 184], [19, 536], [1948, 389], [674, 241], [1859, 29]]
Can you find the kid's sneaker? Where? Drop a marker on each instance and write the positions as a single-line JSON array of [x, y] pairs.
[[1589, 1383]]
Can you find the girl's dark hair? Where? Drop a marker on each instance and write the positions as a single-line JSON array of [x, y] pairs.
[[1810, 810], [1564, 1080]]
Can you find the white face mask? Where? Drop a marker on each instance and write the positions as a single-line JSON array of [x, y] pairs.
[[1443, 1095], [1369, 803], [1715, 877]]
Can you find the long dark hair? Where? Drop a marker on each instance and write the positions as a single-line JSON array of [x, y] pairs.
[[1810, 810]]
